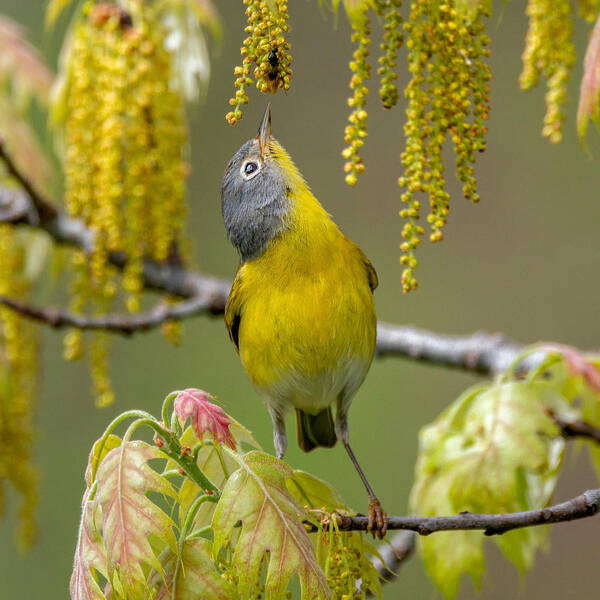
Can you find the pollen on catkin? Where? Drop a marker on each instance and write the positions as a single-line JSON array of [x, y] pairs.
[[392, 42], [265, 53], [18, 382], [588, 9], [124, 169], [550, 52], [350, 574], [448, 97], [356, 130]]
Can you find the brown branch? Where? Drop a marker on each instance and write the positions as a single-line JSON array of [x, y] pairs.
[[126, 323], [393, 555], [582, 506], [45, 209], [480, 352], [578, 429]]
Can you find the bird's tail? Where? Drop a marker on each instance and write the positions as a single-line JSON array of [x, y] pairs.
[[315, 430]]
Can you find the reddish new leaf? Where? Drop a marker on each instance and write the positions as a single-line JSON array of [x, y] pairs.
[[206, 417], [589, 92], [129, 516]]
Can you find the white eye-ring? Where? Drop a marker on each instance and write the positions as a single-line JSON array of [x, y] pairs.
[[250, 168]]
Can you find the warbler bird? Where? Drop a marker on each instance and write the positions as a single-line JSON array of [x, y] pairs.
[[300, 312]]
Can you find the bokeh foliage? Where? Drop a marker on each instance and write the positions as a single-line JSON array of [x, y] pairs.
[[17, 120]]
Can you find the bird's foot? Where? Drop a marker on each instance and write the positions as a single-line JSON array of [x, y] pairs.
[[378, 521]]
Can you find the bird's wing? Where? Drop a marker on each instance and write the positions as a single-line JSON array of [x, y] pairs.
[[371, 272], [233, 311]]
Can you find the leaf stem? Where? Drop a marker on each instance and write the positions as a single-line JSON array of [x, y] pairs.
[[140, 414], [165, 407], [187, 462]]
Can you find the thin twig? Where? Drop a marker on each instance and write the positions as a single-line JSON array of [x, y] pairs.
[[578, 429], [480, 352], [582, 506], [393, 555], [125, 323]]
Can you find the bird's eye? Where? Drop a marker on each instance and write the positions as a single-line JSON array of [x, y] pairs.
[[250, 168]]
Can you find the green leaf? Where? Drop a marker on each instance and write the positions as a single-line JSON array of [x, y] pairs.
[[242, 435], [99, 451], [311, 492], [448, 554], [128, 516], [271, 522], [195, 577], [493, 450], [217, 466]]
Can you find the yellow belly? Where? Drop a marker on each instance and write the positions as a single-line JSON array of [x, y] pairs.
[[307, 328]]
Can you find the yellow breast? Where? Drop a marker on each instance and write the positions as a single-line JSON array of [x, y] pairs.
[[306, 313]]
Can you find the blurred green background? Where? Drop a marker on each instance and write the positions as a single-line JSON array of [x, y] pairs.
[[524, 261]]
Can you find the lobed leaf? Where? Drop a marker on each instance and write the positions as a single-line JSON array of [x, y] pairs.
[[215, 464], [271, 529], [311, 492], [205, 416], [195, 577], [129, 517], [493, 450]]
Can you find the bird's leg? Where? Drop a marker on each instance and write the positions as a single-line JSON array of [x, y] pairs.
[[279, 435], [377, 516]]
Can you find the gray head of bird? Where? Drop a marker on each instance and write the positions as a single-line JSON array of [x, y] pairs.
[[254, 193]]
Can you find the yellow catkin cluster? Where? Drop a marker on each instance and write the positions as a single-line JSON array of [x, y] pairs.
[[356, 130], [344, 564], [230, 574], [392, 42], [18, 376], [448, 98], [124, 169], [549, 51], [588, 9], [265, 53]]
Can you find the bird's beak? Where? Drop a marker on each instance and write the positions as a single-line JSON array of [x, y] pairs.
[[264, 131]]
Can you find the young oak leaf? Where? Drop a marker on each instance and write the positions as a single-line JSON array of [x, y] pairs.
[[312, 492], [196, 577], [578, 363], [128, 516], [571, 390], [493, 450], [90, 556], [217, 466], [214, 463], [206, 417], [589, 92], [271, 521]]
